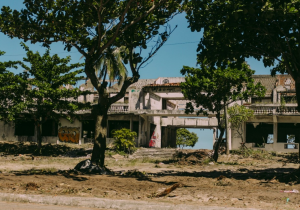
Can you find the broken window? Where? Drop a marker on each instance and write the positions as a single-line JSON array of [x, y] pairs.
[[50, 128], [164, 104], [88, 129], [259, 133], [288, 132], [24, 128], [270, 139], [126, 100]]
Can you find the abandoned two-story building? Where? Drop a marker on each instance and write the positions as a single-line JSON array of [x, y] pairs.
[[154, 109]]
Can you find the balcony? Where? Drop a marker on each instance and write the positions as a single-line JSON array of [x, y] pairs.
[[270, 109], [118, 108]]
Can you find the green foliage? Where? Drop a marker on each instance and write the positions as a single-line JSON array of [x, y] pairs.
[[186, 138], [266, 30], [238, 115], [257, 154], [50, 85], [95, 28], [49, 93], [212, 89], [12, 88], [124, 140]]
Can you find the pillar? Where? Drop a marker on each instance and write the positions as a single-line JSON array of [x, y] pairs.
[[274, 95], [275, 129], [131, 123], [140, 132], [147, 126], [229, 136], [157, 122]]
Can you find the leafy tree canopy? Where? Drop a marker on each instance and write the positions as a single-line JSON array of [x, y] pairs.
[[95, 28], [50, 93], [185, 138], [267, 30], [212, 89], [12, 88], [92, 27], [238, 114]]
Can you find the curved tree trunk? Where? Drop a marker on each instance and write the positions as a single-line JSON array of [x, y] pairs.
[[98, 154], [220, 140]]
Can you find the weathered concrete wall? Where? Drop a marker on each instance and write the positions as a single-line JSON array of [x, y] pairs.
[[123, 117], [276, 146], [134, 95], [157, 131], [160, 80], [7, 132], [155, 102], [190, 122]]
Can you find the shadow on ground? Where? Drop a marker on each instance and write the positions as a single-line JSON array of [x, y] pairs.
[[46, 150]]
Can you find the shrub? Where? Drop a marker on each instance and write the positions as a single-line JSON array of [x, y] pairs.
[[124, 140]]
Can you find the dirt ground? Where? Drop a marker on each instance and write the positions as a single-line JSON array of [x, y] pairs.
[[255, 179]]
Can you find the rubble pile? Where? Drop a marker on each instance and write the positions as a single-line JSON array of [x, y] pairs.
[[194, 157]]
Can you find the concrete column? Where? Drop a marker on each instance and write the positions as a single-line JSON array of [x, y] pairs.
[[157, 122], [147, 126], [131, 123], [147, 101], [174, 137], [274, 95], [140, 131], [229, 136]]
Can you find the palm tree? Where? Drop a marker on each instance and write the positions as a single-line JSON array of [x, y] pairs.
[[111, 64]]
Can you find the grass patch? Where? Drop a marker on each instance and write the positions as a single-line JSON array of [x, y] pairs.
[[256, 154], [206, 161]]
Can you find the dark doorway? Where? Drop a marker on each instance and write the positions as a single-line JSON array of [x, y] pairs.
[[50, 128], [24, 128], [88, 129], [288, 132], [259, 133]]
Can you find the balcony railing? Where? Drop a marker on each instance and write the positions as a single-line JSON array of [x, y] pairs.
[[120, 108], [265, 109]]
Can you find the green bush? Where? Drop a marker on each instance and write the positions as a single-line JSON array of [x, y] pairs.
[[124, 140]]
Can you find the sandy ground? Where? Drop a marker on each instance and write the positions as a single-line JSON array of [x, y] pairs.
[[235, 181]]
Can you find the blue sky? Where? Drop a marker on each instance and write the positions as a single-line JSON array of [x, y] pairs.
[[179, 50]]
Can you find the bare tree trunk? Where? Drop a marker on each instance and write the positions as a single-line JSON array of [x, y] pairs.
[[220, 140], [98, 154], [227, 129], [39, 138]]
